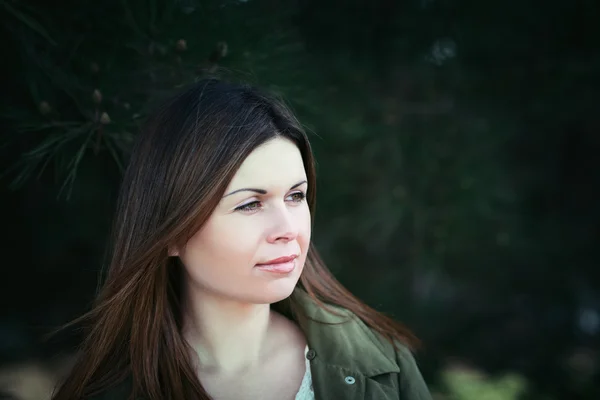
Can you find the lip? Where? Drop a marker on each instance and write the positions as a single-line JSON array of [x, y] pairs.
[[281, 265], [280, 260]]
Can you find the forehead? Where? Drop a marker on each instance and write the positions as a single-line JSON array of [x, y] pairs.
[[276, 162]]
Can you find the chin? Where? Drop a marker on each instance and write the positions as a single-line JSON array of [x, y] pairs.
[[274, 292]]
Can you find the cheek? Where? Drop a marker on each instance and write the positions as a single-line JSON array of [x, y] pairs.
[[225, 242], [304, 232], [237, 241]]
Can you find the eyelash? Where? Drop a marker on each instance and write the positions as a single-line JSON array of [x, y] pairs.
[[249, 206]]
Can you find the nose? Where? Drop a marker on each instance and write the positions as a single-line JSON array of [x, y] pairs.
[[284, 228]]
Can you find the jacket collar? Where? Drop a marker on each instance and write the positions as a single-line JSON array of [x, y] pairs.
[[343, 340]]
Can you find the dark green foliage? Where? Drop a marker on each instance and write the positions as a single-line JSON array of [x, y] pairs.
[[457, 147]]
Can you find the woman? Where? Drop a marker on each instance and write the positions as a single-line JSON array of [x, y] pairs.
[[214, 290]]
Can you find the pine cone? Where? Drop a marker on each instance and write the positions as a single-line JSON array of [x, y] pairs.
[[104, 119], [97, 96], [45, 108], [181, 45]]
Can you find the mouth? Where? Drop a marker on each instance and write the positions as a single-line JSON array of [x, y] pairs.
[[281, 265], [280, 260]]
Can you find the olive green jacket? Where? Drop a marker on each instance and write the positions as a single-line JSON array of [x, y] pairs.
[[348, 360]]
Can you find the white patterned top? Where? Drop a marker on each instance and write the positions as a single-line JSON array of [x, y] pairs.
[[306, 389]]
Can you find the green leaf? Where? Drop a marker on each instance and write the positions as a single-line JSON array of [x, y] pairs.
[[29, 21]]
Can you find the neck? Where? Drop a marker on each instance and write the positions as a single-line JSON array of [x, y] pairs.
[[228, 336]]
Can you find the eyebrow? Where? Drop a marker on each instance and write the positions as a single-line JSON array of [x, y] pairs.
[[261, 191]]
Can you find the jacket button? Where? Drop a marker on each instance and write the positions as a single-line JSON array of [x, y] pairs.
[[349, 380], [311, 354]]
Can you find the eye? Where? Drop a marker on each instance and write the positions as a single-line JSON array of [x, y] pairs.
[[298, 197], [250, 207]]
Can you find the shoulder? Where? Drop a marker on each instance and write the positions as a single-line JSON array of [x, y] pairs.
[[343, 338], [338, 337], [410, 380]]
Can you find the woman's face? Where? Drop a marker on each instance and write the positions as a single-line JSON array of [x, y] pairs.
[[263, 216]]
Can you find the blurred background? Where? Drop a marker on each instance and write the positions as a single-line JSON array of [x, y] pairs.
[[457, 146]]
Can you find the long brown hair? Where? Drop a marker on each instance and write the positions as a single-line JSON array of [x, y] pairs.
[[181, 164]]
